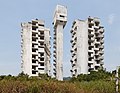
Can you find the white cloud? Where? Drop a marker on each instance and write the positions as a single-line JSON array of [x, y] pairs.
[[111, 18]]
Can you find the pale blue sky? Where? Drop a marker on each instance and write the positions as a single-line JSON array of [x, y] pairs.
[[13, 12]]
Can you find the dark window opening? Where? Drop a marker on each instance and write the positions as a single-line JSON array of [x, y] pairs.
[[96, 67], [96, 23], [89, 59], [33, 72], [33, 50], [42, 33], [90, 48], [89, 65], [40, 68], [97, 46], [41, 64], [75, 28], [62, 16], [61, 21], [41, 43], [42, 37], [33, 56], [34, 28], [34, 67], [41, 59], [33, 61], [90, 26], [33, 39], [41, 54], [33, 34]]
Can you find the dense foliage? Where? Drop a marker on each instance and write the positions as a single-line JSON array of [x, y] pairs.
[[96, 82]]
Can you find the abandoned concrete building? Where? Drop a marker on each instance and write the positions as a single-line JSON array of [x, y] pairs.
[[35, 46], [59, 22], [87, 46]]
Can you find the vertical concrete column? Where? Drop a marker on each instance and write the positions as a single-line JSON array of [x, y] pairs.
[[59, 42]]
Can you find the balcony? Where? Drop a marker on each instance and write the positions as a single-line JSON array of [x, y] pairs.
[[91, 62], [96, 27], [97, 65], [54, 64], [35, 42], [90, 29], [102, 57], [54, 42], [91, 56], [90, 39], [102, 41], [35, 64], [34, 32], [71, 50], [34, 52], [41, 28], [91, 34], [101, 52], [54, 54], [71, 31], [54, 46], [90, 50], [97, 42]]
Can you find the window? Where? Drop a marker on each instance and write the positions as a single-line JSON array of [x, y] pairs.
[[42, 37], [33, 72], [41, 25], [41, 54], [62, 16], [41, 59], [33, 61], [41, 64], [33, 50]]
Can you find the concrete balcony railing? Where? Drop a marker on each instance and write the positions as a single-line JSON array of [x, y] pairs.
[[35, 42], [41, 28], [35, 53], [91, 62], [35, 31], [101, 52], [54, 54], [96, 49], [97, 42], [96, 27], [91, 56], [101, 30], [74, 58], [91, 66], [54, 64], [102, 57], [90, 29], [35, 64], [97, 65], [102, 41], [91, 51]]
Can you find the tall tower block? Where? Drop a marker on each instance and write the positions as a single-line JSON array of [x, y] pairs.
[[59, 22], [35, 45]]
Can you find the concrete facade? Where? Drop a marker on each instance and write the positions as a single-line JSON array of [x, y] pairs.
[[87, 46], [59, 22], [35, 46]]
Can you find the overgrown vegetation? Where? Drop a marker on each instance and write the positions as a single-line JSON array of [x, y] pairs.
[[96, 82]]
